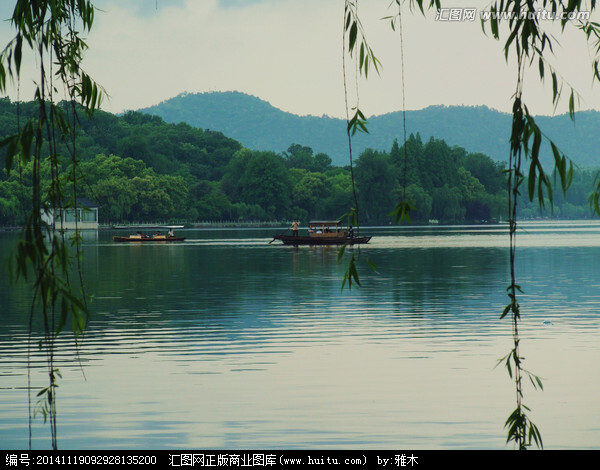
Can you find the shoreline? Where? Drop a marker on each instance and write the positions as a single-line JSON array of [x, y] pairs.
[[146, 226]]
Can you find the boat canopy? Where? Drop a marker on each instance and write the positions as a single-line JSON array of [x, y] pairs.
[[326, 228], [325, 223]]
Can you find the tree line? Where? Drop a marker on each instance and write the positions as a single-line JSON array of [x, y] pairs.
[[140, 168]]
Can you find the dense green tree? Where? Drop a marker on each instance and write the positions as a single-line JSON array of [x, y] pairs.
[[489, 173], [11, 203], [375, 182], [440, 163], [209, 202], [446, 205], [234, 172], [339, 195], [309, 191], [266, 182], [322, 162], [421, 201], [470, 187], [408, 160], [117, 198], [298, 156]]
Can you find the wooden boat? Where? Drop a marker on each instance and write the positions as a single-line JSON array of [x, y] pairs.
[[145, 238], [324, 233], [157, 237]]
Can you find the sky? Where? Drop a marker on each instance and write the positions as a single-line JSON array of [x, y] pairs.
[[289, 53]]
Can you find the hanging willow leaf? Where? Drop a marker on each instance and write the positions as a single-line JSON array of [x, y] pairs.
[[534, 434], [352, 36], [356, 35], [351, 216], [351, 274], [50, 28], [372, 265], [402, 211], [357, 122]]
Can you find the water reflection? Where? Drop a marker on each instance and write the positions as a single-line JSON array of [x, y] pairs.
[[227, 341]]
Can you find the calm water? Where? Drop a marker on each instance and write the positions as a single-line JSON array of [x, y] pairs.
[[225, 341]]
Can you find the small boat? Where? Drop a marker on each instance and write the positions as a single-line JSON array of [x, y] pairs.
[[157, 237], [324, 233]]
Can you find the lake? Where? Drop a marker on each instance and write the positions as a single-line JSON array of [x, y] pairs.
[[225, 341]]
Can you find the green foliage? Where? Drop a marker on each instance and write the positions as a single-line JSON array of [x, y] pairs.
[[51, 29], [358, 122], [357, 41], [351, 274], [171, 159], [375, 182], [529, 43], [402, 211], [259, 178], [298, 156], [192, 161], [309, 191], [158, 164], [438, 185]]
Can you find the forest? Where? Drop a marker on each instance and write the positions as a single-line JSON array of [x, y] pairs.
[[139, 168]]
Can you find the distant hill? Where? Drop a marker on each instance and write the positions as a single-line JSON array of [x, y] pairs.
[[255, 123], [260, 126]]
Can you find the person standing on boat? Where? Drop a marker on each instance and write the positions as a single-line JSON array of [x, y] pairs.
[[295, 228], [350, 232]]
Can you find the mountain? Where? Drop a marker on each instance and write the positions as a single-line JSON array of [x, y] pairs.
[[255, 123], [260, 126]]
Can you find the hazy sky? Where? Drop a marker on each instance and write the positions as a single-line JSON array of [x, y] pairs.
[[289, 52]]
